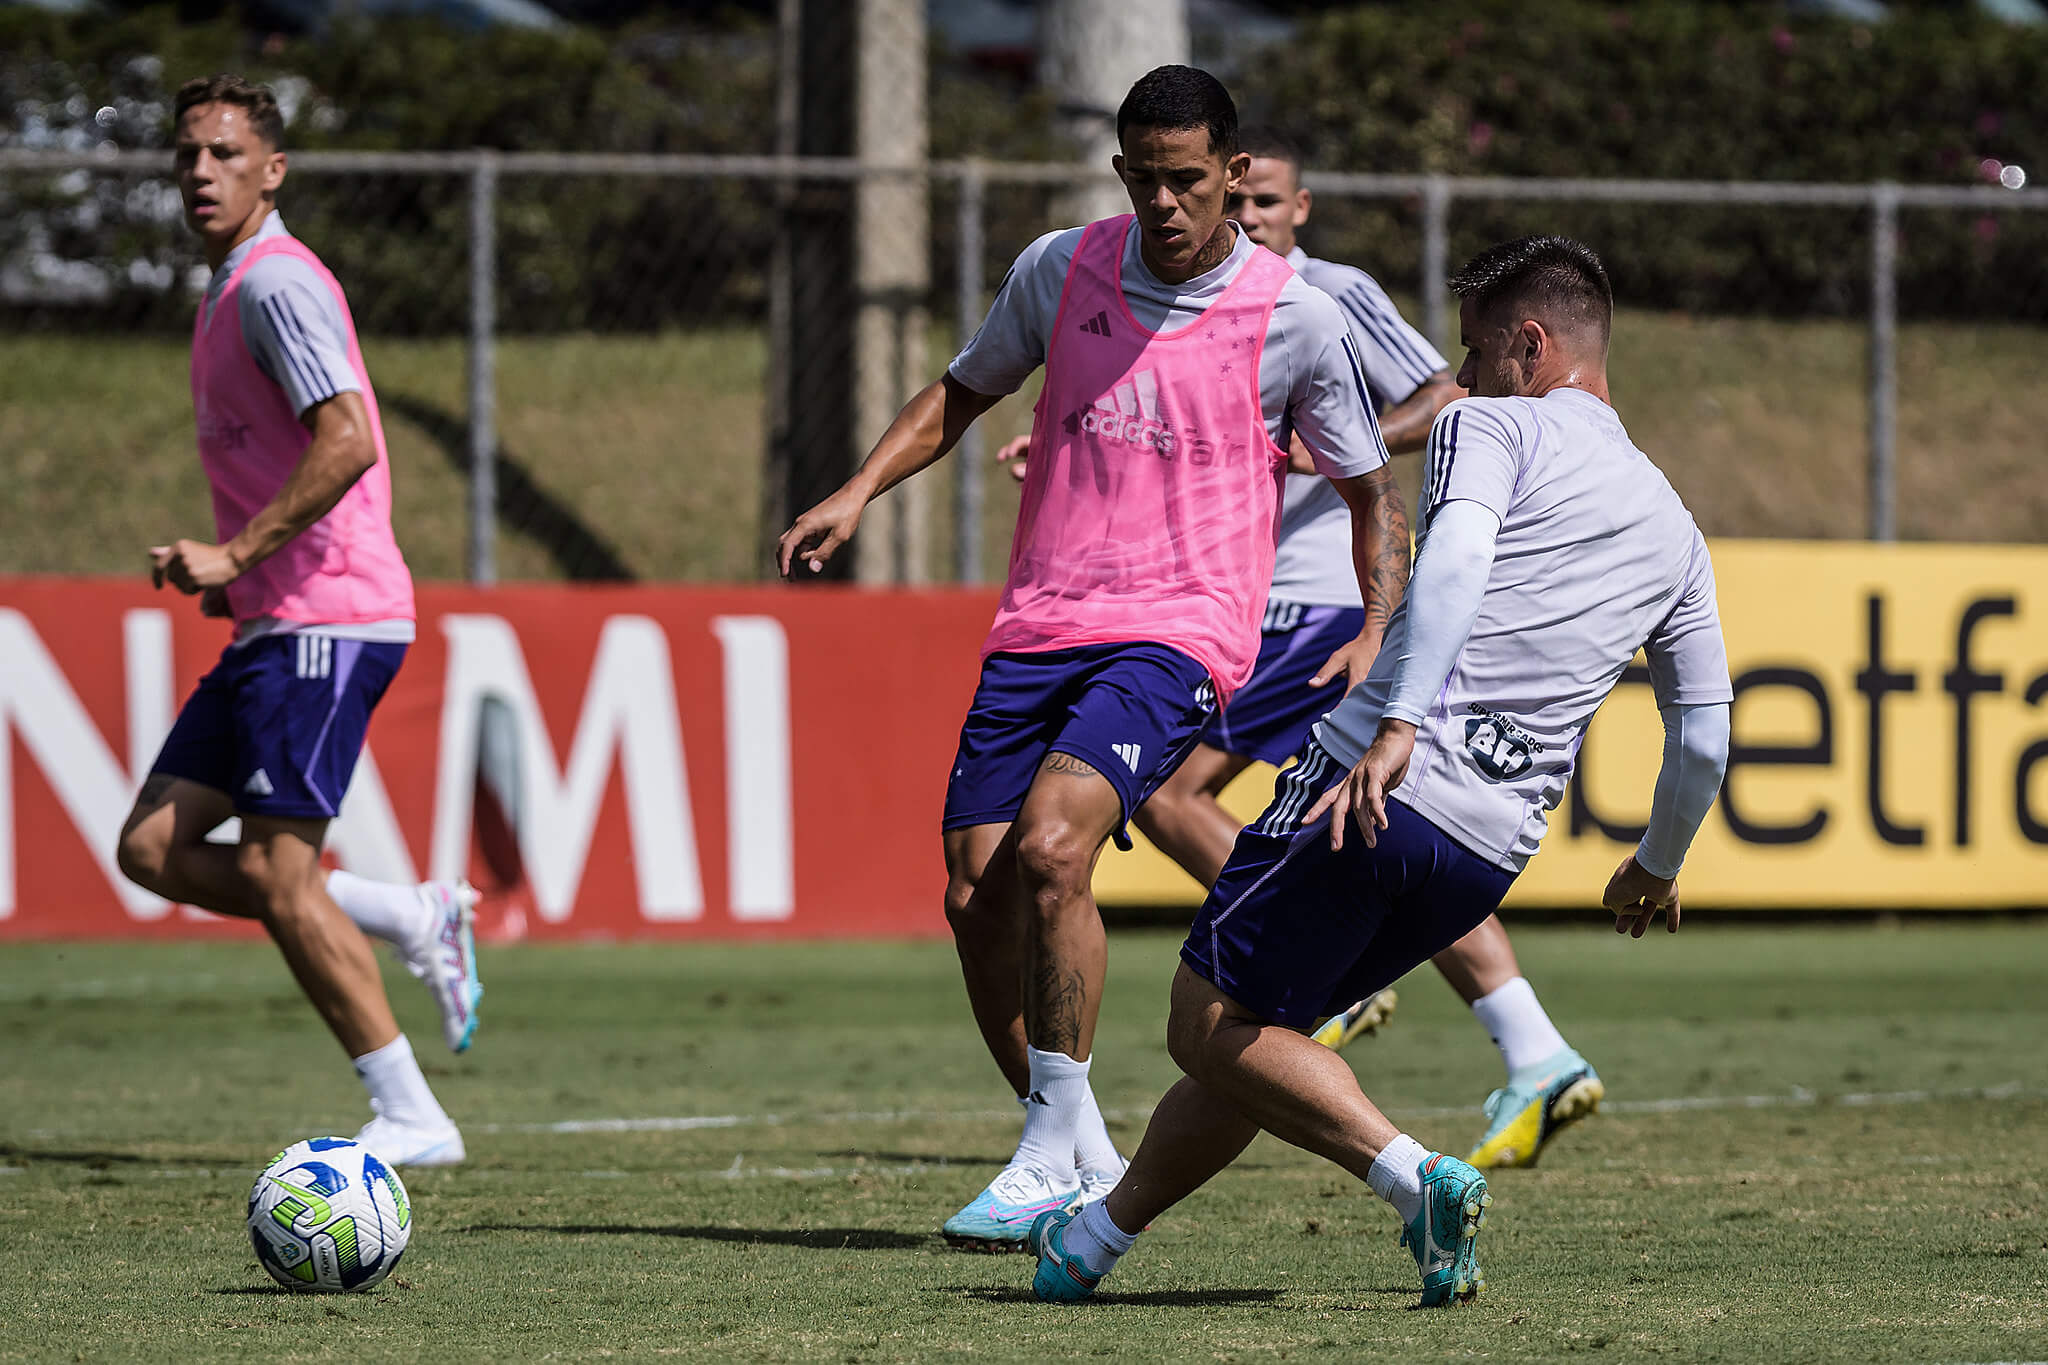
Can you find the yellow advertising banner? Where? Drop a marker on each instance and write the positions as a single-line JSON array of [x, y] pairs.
[[1890, 743]]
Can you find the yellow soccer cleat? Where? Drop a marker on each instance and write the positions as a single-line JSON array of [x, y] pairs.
[[1533, 1107], [1364, 1017]]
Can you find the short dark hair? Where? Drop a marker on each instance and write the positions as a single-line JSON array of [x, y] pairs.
[[1548, 276], [1177, 97], [1263, 139], [257, 101]]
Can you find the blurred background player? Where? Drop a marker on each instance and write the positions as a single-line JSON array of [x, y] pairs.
[[323, 608], [1178, 356], [1551, 551]]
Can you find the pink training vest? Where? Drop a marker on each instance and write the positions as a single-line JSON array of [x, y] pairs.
[[345, 568], [1151, 500]]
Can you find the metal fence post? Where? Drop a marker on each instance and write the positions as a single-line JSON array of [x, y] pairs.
[[1884, 361], [483, 396], [968, 491], [1436, 212]]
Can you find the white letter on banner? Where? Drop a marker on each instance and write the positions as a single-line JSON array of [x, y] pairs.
[[629, 706], [365, 837], [89, 781], [757, 773]]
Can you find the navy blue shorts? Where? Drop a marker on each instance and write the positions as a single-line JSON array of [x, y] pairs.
[[1133, 712], [1270, 715], [279, 722], [1295, 932]]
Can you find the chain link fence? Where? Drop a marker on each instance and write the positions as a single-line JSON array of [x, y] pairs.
[[632, 367]]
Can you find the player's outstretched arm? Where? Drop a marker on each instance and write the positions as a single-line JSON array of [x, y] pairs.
[[1695, 758], [342, 451], [929, 425]]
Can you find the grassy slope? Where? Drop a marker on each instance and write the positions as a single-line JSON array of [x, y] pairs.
[[145, 1085], [655, 443]]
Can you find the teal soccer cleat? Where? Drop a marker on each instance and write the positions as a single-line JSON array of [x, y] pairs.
[[1445, 1234], [1060, 1278], [1533, 1107], [1000, 1217]]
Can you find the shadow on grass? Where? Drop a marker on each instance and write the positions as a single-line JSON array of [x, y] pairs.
[[522, 504], [103, 1160], [1158, 1298], [818, 1239]]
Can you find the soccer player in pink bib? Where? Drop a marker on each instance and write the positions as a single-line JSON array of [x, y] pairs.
[[322, 603], [1179, 360]]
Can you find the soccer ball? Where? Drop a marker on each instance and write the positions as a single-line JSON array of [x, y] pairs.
[[327, 1214]]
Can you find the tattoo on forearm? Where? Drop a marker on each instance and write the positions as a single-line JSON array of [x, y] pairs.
[[1386, 551], [1067, 763], [1054, 1006]]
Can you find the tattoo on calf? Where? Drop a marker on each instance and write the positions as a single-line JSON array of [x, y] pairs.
[[1067, 763], [1053, 1006]]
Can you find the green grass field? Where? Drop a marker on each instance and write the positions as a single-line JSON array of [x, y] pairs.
[[652, 445], [1880, 1198]]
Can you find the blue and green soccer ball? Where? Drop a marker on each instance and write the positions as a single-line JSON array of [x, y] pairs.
[[326, 1214]]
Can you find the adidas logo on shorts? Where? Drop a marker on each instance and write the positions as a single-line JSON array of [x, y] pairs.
[[258, 784]]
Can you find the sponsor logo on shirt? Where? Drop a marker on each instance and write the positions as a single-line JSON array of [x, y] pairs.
[[222, 435], [1497, 746], [1129, 415]]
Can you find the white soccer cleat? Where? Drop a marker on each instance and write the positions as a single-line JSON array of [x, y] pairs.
[[412, 1144], [445, 958], [1098, 1181]]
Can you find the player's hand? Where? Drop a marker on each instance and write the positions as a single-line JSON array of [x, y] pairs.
[[1013, 452], [1635, 897], [1351, 662], [214, 602], [1363, 792], [817, 535], [192, 566]]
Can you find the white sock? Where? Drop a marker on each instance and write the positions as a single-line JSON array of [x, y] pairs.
[[1514, 1018], [1396, 1175], [1095, 1238], [1093, 1150], [392, 1076], [1052, 1113], [383, 910]]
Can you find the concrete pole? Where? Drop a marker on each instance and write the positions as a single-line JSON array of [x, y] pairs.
[[893, 262], [1089, 54]]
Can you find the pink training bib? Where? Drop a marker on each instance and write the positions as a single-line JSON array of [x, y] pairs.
[[1151, 499], [345, 568]]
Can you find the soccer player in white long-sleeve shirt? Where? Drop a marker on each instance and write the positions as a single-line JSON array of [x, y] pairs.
[[1314, 596], [1551, 551]]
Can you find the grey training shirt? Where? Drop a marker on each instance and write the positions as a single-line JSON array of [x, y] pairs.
[[1314, 565], [1596, 558]]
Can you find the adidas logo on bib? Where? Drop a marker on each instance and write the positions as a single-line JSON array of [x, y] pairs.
[[1097, 325]]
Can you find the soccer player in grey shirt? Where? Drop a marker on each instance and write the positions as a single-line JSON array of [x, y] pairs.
[[1314, 609], [1551, 551]]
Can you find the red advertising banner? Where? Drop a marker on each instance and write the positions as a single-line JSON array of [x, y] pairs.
[[612, 762]]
